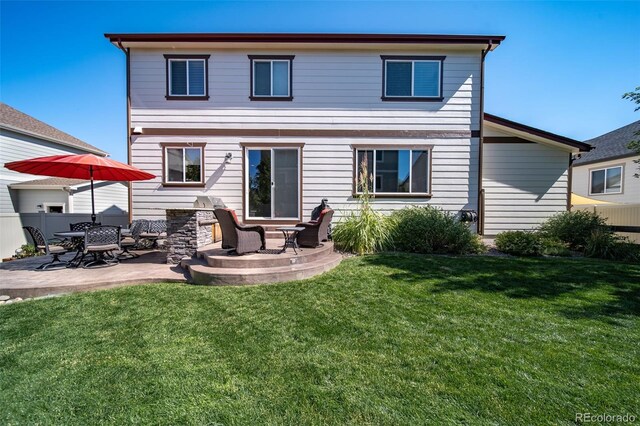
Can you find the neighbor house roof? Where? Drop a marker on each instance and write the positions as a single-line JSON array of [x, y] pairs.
[[538, 133], [14, 120], [300, 38], [47, 183], [612, 145]]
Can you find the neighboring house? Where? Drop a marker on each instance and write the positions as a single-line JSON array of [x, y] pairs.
[[273, 123], [607, 172], [23, 137]]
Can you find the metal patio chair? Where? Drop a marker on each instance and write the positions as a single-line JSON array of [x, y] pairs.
[[43, 246]]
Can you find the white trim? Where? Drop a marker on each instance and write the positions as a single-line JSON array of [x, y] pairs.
[[46, 206], [606, 170]]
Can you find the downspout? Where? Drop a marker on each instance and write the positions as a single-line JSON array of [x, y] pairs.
[[128, 65], [570, 180], [481, 142]]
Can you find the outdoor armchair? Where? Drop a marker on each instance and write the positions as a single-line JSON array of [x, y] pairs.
[[43, 246], [315, 232], [156, 229], [101, 242], [241, 238]]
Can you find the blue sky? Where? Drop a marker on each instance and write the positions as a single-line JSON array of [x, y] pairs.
[[563, 67]]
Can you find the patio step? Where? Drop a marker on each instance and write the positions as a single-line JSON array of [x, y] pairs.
[[203, 274], [219, 258]]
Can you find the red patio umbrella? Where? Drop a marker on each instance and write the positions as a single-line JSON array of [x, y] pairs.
[[84, 166]]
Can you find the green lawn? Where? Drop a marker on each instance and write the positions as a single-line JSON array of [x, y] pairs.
[[388, 339]]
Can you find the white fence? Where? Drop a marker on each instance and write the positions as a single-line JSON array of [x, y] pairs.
[[624, 217], [12, 236]]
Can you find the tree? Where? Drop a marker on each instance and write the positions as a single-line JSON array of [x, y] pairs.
[[635, 144]]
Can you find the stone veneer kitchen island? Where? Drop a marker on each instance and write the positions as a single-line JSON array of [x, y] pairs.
[[188, 229]]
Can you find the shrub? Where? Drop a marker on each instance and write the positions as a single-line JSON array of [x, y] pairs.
[[27, 250], [431, 230], [554, 247], [364, 231], [519, 243], [603, 244], [573, 228]]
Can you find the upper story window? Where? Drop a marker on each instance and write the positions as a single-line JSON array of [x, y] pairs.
[[412, 78], [183, 164], [394, 172], [187, 77], [606, 181], [271, 78]]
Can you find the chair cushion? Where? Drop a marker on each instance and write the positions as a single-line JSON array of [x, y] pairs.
[[149, 235], [128, 241], [103, 247], [57, 249]]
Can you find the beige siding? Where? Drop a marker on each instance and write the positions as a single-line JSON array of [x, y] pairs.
[[110, 198], [524, 183], [630, 185], [14, 147], [331, 90], [327, 172]]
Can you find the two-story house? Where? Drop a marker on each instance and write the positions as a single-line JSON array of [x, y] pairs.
[[273, 123]]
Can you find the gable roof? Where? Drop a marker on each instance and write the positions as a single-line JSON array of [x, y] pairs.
[[612, 145], [14, 120], [52, 182], [503, 122]]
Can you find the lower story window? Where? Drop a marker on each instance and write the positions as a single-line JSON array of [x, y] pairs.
[[183, 165], [393, 171], [606, 181]]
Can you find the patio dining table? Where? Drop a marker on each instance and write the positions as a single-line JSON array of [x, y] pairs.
[[77, 239]]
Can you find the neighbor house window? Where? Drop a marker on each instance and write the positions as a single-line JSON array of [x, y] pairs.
[[412, 78], [183, 165], [187, 77], [271, 78], [606, 181], [394, 171]]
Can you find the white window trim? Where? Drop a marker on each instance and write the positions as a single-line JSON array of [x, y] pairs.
[[204, 70], [413, 63], [395, 194], [255, 74], [606, 169], [184, 165], [45, 206]]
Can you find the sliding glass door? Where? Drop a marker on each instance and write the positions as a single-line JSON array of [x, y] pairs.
[[273, 183]]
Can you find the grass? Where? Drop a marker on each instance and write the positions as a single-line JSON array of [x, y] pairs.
[[384, 339]]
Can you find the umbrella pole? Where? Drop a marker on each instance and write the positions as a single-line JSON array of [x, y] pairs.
[[93, 203]]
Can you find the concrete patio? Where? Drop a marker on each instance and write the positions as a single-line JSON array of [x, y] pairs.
[[19, 278]]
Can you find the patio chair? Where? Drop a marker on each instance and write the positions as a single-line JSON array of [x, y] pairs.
[[43, 246], [240, 238], [82, 226], [315, 232], [156, 229], [101, 241], [132, 241]]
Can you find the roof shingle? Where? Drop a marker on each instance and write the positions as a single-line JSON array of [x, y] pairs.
[[611, 145], [12, 119]]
